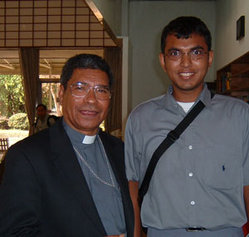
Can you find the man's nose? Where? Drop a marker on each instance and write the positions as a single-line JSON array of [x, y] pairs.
[[90, 96], [186, 60]]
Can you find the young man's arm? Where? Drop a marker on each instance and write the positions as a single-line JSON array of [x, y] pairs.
[[133, 187], [246, 197]]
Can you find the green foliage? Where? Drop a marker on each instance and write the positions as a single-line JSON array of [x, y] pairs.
[[11, 95], [4, 124], [19, 121], [50, 90]]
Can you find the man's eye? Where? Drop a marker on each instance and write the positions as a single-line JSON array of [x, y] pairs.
[[174, 53], [197, 52], [102, 90], [78, 87]]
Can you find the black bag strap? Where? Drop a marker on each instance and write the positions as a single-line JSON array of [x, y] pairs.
[[166, 143]]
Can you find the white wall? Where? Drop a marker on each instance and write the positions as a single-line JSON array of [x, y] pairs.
[[227, 47], [143, 21], [146, 21], [111, 10]]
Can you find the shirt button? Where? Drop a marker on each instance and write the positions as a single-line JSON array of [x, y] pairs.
[[190, 147], [192, 203], [190, 174]]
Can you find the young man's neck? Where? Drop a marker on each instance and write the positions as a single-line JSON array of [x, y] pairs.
[[186, 95]]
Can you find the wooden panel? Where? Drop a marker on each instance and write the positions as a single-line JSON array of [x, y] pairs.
[[237, 69], [233, 79], [239, 83], [51, 15]]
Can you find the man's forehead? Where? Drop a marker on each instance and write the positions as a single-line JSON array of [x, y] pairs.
[[89, 75], [193, 41], [41, 108]]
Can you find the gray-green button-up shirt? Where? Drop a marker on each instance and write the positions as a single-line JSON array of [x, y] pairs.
[[198, 181]]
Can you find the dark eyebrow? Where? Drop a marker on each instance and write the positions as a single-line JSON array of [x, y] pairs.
[[103, 86], [100, 85], [79, 82], [171, 49], [197, 47], [84, 83], [194, 48]]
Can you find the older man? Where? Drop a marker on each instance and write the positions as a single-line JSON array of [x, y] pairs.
[[69, 180], [44, 120]]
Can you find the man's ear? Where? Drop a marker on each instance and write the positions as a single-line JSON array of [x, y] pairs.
[[210, 57], [162, 61], [61, 93]]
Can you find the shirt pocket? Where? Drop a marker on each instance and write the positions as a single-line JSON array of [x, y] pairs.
[[219, 167]]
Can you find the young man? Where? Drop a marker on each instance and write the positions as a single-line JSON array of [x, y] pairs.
[[44, 120], [200, 182], [69, 180]]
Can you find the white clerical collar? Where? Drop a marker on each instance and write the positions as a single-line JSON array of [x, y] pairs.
[[89, 139]]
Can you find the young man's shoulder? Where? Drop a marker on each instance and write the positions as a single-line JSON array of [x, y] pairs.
[[230, 101], [149, 105]]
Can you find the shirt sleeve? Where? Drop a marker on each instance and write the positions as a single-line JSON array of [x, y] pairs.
[[246, 150], [132, 159]]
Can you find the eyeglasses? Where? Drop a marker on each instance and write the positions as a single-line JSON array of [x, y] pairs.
[[195, 54], [81, 89]]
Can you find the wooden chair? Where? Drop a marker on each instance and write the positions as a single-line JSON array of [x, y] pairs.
[[4, 144]]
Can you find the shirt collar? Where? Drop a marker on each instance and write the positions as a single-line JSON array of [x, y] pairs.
[[77, 137], [205, 95]]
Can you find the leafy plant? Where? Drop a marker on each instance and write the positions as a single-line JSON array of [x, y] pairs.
[[12, 95], [19, 121], [4, 124]]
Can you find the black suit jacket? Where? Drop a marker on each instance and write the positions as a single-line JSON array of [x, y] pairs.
[[44, 193]]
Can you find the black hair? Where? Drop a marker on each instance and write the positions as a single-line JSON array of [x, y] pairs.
[[183, 27], [41, 105], [84, 61]]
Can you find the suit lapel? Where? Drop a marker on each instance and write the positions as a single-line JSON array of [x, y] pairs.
[[65, 159]]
